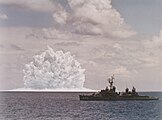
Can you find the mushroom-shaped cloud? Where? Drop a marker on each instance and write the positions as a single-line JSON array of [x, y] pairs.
[[54, 70]]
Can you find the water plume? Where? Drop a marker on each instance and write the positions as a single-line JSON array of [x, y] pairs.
[[54, 70]]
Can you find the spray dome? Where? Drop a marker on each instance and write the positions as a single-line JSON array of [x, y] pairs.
[[54, 70]]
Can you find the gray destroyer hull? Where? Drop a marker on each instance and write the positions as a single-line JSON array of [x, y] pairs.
[[120, 98]]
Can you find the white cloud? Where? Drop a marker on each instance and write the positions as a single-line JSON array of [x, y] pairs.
[[94, 17], [51, 33], [123, 33], [3, 16], [155, 42], [117, 46], [60, 16], [121, 70], [153, 47], [39, 5]]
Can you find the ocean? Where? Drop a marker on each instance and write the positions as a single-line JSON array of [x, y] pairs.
[[67, 106]]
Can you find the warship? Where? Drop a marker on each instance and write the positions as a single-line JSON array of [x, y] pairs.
[[110, 94]]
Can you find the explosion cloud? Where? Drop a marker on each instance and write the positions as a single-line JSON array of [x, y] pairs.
[[54, 70]]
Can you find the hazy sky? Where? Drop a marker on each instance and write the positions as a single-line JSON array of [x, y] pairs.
[[121, 37]]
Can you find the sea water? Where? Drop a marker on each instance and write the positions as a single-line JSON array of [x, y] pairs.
[[67, 106]]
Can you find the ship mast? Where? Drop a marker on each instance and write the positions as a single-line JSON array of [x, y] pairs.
[[110, 80]]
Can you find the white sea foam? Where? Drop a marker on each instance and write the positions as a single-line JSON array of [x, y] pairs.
[[49, 90], [54, 70]]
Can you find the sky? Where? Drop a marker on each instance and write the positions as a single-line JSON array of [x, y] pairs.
[[121, 37]]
